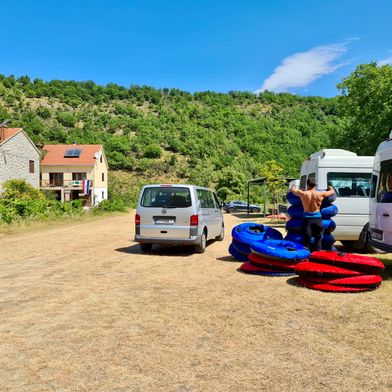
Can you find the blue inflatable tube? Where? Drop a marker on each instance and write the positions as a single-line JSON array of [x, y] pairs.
[[328, 200], [329, 212], [295, 211], [240, 247], [251, 232], [329, 226], [293, 199], [281, 250], [327, 241], [294, 237], [237, 255], [294, 225]]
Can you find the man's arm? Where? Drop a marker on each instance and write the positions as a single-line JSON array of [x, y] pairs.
[[329, 192], [296, 191]]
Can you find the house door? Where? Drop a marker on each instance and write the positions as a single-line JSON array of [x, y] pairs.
[[56, 179]]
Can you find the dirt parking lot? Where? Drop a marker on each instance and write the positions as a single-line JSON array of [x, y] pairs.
[[81, 309]]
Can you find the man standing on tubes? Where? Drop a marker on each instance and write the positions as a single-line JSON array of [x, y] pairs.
[[312, 224]]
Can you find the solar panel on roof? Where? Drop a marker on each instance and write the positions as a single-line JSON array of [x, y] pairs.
[[72, 153]]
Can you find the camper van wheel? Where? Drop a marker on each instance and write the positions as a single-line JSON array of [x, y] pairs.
[[145, 247], [221, 236], [201, 246], [348, 244]]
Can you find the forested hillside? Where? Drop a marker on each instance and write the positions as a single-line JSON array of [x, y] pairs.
[[206, 138]]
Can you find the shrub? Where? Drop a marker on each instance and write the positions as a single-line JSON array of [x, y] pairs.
[[20, 189], [111, 205], [153, 151]]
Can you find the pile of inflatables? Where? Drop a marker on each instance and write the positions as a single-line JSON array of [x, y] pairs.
[[264, 251], [294, 225], [335, 271]]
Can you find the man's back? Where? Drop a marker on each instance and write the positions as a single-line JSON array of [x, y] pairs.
[[311, 200]]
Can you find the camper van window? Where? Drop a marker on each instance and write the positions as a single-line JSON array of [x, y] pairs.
[[302, 183], [312, 176], [350, 184], [170, 197], [373, 186], [384, 191]]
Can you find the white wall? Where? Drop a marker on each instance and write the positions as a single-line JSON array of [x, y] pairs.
[[98, 192]]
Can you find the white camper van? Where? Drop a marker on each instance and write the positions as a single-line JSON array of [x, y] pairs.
[[381, 198], [349, 175]]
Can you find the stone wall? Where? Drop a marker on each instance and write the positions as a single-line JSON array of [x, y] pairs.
[[15, 155]]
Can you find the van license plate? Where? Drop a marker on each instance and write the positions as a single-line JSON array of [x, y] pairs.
[[164, 220]]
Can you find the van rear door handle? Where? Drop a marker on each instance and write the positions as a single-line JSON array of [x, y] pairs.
[[385, 214]]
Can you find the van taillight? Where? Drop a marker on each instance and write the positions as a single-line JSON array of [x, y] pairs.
[[194, 220], [137, 219]]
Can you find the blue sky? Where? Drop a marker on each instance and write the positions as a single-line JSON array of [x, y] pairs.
[[304, 47]]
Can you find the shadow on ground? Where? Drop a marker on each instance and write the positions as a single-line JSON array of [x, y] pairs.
[[159, 249], [230, 259], [293, 281]]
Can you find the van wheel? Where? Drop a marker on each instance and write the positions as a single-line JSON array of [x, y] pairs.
[[145, 247], [201, 246], [221, 236]]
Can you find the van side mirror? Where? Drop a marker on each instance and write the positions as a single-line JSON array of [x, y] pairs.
[[222, 204]]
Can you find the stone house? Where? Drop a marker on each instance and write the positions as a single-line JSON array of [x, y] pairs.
[[19, 157]]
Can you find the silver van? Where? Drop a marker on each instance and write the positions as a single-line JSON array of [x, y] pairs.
[[178, 215]]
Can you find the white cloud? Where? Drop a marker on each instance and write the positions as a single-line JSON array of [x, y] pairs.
[[387, 61], [301, 69]]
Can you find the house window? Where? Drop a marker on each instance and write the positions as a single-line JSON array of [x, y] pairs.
[[100, 159], [79, 176], [103, 176], [56, 179], [31, 166], [103, 195]]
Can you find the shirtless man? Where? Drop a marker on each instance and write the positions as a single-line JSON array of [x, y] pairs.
[[312, 225]]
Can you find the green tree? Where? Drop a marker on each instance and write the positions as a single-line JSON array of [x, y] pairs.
[[366, 104], [275, 181]]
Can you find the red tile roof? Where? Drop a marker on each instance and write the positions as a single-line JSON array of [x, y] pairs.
[[54, 154], [6, 133]]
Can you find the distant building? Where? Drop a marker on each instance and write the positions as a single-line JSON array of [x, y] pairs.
[[75, 171], [19, 157]]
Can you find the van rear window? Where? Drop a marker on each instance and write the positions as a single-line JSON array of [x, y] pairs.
[[170, 197]]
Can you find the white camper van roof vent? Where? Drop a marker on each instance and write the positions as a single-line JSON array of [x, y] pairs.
[[332, 152]]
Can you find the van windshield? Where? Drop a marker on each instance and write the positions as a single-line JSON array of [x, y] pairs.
[[167, 197], [384, 191]]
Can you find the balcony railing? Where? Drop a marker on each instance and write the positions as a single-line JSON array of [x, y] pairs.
[[75, 184]]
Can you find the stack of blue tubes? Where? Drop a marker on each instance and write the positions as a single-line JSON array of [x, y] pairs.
[[245, 234], [294, 225]]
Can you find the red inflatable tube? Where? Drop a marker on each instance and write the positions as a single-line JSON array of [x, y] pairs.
[[331, 287], [345, 258], [273, 263], [324, 269], [358, 280]]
